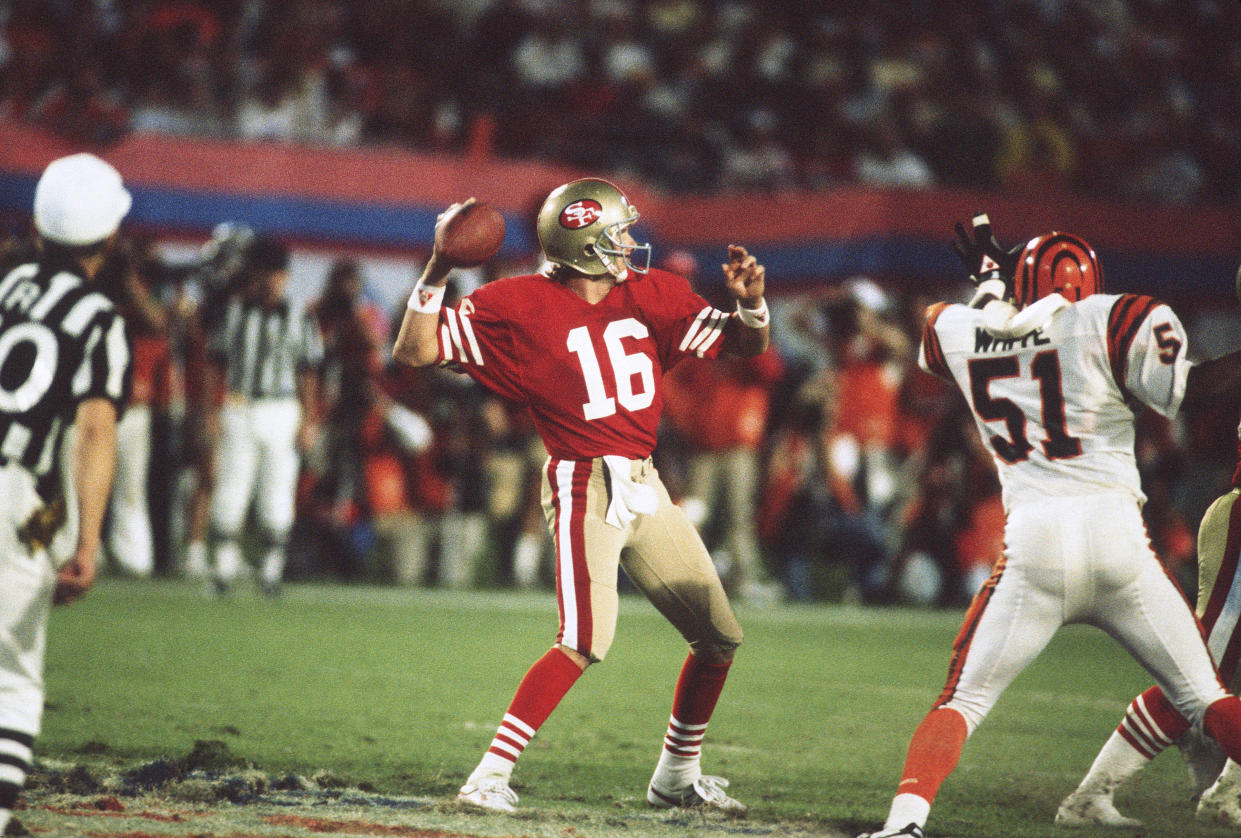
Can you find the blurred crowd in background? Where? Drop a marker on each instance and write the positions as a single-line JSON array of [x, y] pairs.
[[1128, 100], [830, 468], [868, 483]]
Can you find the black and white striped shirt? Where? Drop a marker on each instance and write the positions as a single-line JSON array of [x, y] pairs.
[[61, 343], [263, 349]]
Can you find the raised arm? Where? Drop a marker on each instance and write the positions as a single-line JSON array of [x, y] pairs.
[[750, 333], [417, 343]]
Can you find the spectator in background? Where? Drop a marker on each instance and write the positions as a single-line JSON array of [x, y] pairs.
[[514, 468], [871, 355], [464, 439], [352, 331], [270, 111], [83, 109], [448, 484], [640, 86], [128, 278], [950, 535], [886, 159], [720, 409], [407, 492], [793, 516]]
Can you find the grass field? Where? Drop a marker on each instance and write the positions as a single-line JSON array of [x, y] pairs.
[[399, 692]]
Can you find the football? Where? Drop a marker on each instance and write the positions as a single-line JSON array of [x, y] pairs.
[[470, 234]]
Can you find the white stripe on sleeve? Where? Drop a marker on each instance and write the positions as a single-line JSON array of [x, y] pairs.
[[692, 332], [446, 342], [468, 329], [118, 358], [454, 330]]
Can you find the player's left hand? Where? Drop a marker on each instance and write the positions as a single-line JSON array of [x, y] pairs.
[[744, 277], [984, 257], [76, 577]]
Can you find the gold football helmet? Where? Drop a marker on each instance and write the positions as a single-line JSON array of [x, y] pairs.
[[581, 226]]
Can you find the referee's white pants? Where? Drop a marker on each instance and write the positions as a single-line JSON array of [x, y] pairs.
[[1079, 560], [256, 461], [26, 583], [129, 518]]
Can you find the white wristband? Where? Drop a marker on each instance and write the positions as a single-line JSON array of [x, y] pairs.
[[426, 299], [755, 318]]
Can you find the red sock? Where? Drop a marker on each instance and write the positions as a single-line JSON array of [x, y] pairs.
[[933, 753], [1223, 723], [537, 696], [1151, 723], [698, 690]]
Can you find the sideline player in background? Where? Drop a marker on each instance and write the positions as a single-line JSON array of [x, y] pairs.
[[265, 355], [584, 345], [1049, 365], [66, 363], [1151, 723]]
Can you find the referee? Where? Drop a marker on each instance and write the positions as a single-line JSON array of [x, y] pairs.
[[64, 375], [264, 360]]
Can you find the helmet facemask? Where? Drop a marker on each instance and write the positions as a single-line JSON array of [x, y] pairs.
[[611, 245]]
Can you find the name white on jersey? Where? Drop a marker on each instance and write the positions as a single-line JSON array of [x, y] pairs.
[[1054, 406]]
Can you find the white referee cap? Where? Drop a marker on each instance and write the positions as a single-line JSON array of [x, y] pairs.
[[79, 200]]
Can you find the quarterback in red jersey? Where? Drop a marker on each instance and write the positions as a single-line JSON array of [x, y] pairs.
[[584, 344]]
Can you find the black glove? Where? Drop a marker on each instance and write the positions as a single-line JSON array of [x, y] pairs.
[[984, 257]]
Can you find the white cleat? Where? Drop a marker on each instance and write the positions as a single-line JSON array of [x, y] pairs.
[[1220, 805], [912, 830], [706, 792], [1091, 810], [490, 793]]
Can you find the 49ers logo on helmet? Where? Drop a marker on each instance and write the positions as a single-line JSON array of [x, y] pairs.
[[581, 214]]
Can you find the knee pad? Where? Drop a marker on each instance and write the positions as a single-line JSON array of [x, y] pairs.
[[715, 646]]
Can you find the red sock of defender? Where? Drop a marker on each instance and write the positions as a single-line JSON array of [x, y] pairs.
[[537, 696], [1151, 723], [933, 753], [1223, 723]]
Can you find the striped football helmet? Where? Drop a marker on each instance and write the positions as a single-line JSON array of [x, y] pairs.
[[1057, 262]]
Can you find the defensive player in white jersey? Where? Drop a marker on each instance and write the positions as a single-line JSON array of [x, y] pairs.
[[1053, 370]]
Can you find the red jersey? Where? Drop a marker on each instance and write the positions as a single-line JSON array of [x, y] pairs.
[[590, 375]]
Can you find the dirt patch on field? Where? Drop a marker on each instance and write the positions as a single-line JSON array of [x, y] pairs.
[[209, 793]]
